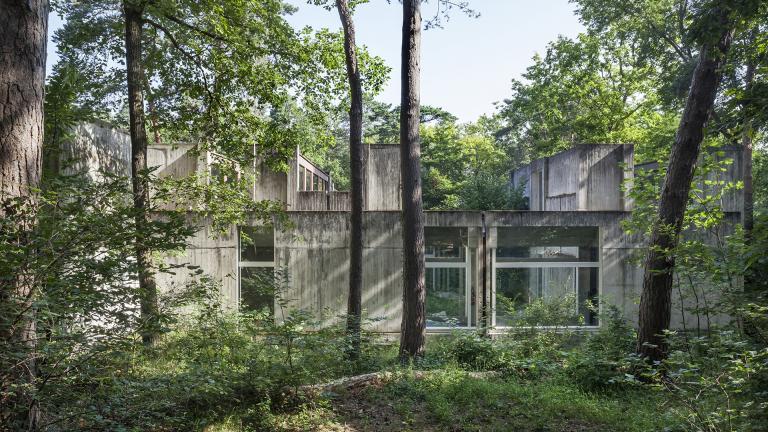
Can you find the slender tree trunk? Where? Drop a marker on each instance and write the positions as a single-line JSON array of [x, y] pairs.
[[655, 301], [135, 77], [23, 38], [746, 141], [356, 165], [412, 329], [751, 285]]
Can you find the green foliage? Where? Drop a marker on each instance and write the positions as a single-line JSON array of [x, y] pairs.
[[219, 74], [760, 175], [590, 90], [452, 399], [463, 167], [625, 80], [211, 362], [552, 312], [720, 382], [606, 360], [470, 351], [68, 249]]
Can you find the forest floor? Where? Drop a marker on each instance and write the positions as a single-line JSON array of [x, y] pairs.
[[455, 401]]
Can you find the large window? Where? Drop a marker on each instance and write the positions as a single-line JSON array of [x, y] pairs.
[[558, 266], [448, 283], [256, 264]]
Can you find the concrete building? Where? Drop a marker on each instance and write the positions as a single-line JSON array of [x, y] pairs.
[[569, 245]]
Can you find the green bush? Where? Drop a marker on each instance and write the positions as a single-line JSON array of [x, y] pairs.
[[718, 382], [606, 358], [475, 352]]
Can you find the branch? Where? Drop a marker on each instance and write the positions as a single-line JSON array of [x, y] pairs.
[[435, 21], [675, 46], [183, 23], [193, 58]]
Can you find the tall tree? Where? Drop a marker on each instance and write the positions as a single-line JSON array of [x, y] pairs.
[[655, 301], [413, 326], [356, 170], [208, 66], [134, 22], [746, 142], [23, 37]]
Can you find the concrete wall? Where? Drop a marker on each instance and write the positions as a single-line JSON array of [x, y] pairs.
[[590, 177], [214, 253], [602, 173], [95, 147], [269, 184], [310, 201], [733, 200], [585, 177], [315, 255], [382, 177], [100, 146], [174, 161]]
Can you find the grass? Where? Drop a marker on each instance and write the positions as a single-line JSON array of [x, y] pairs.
[[450, 399]]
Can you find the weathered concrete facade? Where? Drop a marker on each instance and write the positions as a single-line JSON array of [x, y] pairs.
[[586, 177], [570, 243], [596, 177]]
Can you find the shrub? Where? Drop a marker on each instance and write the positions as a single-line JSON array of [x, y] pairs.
[[475, 352], [719, 383], [606, 358]]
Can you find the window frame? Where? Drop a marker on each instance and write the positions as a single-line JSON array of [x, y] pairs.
[[467, 266], [249, 264], [527, 263]]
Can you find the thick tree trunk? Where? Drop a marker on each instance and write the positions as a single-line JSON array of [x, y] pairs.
[[356, 165], [23, 37], [655, 301], [412, 330], [135, 77]]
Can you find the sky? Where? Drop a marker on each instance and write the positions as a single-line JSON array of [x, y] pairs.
[[465, 67]]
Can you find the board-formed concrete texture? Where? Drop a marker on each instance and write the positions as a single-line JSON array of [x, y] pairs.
[[581, 187], [594, 177], [95, 147], [586, 177], [382, 177]]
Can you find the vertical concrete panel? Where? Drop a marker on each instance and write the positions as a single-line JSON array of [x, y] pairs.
[[562, 175], [215, 255], [95, 147], [382, 270], [604, 177], [314, 253], [338, 201], [311, 201], [382, 177], [270, 185]]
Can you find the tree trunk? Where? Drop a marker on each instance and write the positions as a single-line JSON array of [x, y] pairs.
[[655, 302], [751, 284], [412, 329], [746, 141], [356, 164], [135, 77], [23, 38]]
